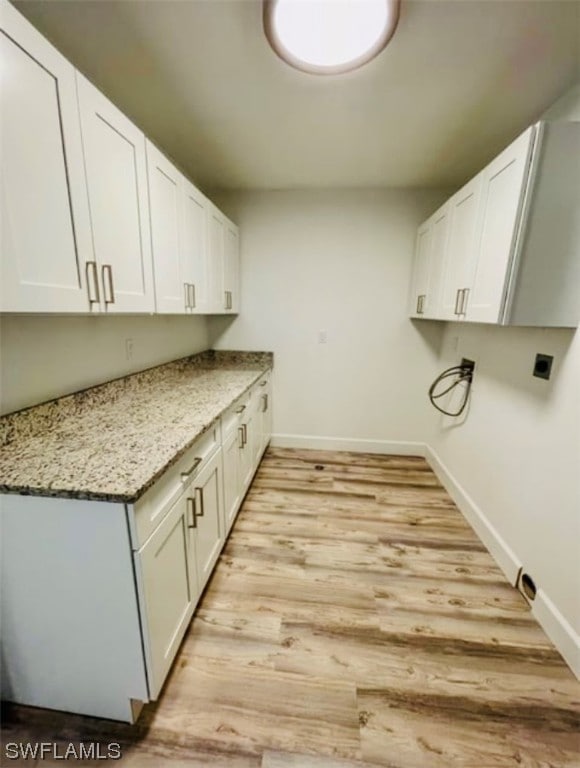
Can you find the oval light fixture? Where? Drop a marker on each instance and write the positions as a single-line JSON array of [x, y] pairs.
[[327, 37]]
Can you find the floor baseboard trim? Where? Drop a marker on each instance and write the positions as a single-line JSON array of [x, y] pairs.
[[500, 551], [558, 630], [548, 616], [314, 442]]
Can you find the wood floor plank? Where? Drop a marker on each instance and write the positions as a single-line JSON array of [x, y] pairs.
[[256, 709], [439, 731], [354, 620]]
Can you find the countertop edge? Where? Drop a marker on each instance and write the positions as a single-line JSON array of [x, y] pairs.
[[128, 499]]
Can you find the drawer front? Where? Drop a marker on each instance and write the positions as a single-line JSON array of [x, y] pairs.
[[233, 415], [150, 510]]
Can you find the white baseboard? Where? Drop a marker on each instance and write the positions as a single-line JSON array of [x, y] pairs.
[[558, 630], [396, 447], [499, 550], [549, 617]]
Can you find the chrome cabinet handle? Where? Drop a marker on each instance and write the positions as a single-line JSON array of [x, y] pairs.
[[418, 308], [191, 470], [191, 508], [241, 433], [106, 269], [457, 300], [226, 300], [265, 399], [245, 428], [241, 409], [186, 289], [91, 268], [464, 299], [192, 298], [201, 506]]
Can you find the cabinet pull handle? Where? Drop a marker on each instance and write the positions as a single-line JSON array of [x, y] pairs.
[[186, 289], [91, 268], [191, 508], [418, 308], [106, 269], [457, 298], [241, 433], [192, 300], [464, 299], [263, 383], [245, 428], [194, 466], [201, 507], [231, 300], [225, 299], [265, 408], [241, 409]]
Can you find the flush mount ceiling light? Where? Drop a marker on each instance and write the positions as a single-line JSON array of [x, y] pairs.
[[329, 36]]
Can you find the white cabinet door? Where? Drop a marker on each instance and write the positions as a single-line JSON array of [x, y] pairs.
[[172, 296], [194, 255], [461, 250], [265, 416], [420, 279], [208, 513], [232, 479], [42, 176], [215, 264], [168, 591], [251, 441], [504, 185], [114, 151], [431, 306], [232, 268]]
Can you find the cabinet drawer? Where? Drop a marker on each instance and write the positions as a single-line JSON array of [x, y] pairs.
[[149, 511], [231, 418]]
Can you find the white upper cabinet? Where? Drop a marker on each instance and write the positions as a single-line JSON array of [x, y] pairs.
[[223, 264], [420, 280], [232, 268], [512, 255], [178, 236], [194, 248], [42, 175], [77, 168], [116, 169], [172, 294], [503, 190], [215, 264], [426, 288], [461, 249]]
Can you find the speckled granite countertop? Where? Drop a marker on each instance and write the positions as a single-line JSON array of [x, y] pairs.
[[112, 442]]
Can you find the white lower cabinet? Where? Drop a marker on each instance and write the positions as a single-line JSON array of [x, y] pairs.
[[168, 586], [232, 478], [111, 594], [207, 514]]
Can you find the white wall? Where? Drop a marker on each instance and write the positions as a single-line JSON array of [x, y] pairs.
[[339, 262], [517, 454], [47, 356]]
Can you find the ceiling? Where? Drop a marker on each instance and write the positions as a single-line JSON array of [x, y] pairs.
[[457, 82]]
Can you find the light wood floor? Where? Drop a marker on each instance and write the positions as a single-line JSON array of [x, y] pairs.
[[354, 619]]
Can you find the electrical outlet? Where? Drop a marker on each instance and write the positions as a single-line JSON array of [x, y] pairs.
[[129, 345], [543, 366]]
